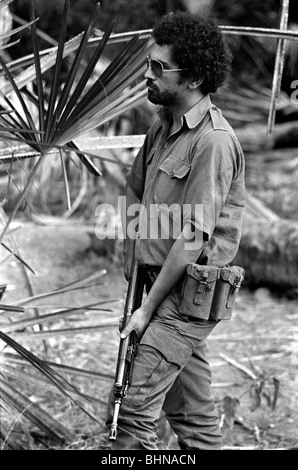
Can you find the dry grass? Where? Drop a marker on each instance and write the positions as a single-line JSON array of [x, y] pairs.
[[261, 338]]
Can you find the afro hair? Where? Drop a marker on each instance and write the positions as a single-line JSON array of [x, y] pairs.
[[197, 44]]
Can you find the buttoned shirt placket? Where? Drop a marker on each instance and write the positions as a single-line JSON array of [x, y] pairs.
[[159, 156]]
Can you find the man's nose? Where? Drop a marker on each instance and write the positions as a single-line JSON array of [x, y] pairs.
[[149, 75]]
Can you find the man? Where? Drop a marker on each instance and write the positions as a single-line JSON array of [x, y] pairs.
[[190, 159]]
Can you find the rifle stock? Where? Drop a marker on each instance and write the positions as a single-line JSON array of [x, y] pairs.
[[127, 346]]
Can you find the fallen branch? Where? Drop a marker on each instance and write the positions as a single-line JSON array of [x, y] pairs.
[[240, 448], [239, 366], [259, 357], [229, 337], [224, 384]]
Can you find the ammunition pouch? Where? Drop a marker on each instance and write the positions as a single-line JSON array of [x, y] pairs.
[[209, 292]]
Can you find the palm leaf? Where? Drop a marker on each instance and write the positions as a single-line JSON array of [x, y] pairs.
[[14, 359], [4, 3], [10, 32], [27, 113], [47, 60], [73, 97], [84, 283], [13, 253], [20, 198], [99, 92], [34, 413], [58, 380], [14, 31], [65, 178], [57, 72], [44, 319], [8, 441], [11, 308], [66, 116], [71, 331], [30, 380], [6, 46], [40, 94]]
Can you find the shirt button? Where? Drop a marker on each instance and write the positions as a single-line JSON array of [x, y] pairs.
[[172, 173]]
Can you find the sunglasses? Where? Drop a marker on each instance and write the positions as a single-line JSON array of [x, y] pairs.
[[158, 68]]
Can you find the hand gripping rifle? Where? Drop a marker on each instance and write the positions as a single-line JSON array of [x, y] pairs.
[[127, 346]]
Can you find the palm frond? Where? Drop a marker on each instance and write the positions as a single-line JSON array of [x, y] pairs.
[[13, 253], [43, 420], [29, 379], [77, 110], [48, 318], [20, 198], [47, 60], [12, 332], [39, 83], [7, 23], [57, 71], [55, 378], [8, 358], [15, 31], [5, 3]]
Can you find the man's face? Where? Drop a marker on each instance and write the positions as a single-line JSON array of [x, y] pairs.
[[167, 90]]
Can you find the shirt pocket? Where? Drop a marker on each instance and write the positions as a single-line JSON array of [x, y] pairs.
[[171, 181]]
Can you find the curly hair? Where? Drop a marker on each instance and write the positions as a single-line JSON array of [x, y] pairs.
[[197, 44]]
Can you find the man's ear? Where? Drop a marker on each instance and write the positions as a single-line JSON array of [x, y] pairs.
[[195, 83]]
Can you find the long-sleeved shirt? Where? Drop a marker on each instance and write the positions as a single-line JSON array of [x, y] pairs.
[[195, 174]]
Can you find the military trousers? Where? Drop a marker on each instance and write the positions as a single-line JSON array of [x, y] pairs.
[[171, 373]]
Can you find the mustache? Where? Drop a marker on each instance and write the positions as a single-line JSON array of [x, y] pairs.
[[150, 84]]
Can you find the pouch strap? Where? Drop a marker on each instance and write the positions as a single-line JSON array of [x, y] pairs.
[[201, 289], [233, 292]]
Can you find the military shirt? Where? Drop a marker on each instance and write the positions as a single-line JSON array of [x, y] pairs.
[[199, 168]]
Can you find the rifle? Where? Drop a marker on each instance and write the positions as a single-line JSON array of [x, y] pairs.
[[127, 346]]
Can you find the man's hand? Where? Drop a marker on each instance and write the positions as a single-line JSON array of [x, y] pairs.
[[138, 322]]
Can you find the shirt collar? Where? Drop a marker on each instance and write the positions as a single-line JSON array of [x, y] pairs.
[[194, 116]]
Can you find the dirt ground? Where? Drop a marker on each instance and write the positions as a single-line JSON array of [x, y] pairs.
[[254, 357]]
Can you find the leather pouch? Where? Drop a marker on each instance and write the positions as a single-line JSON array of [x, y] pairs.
[[209, 292], [225, 292]]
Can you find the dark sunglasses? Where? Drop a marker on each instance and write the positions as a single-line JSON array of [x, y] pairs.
[[158, 68]]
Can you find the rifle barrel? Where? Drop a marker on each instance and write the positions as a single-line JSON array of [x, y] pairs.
[[127, 346]]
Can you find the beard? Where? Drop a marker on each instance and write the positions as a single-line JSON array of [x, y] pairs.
[[155, 96]]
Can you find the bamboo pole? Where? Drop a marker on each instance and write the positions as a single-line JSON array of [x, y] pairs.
[[273, 33], [270, 33], [279, 66]]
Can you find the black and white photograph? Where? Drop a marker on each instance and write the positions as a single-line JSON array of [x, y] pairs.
[[148, 228]]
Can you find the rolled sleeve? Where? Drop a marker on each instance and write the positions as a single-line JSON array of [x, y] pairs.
[[214, 165]]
